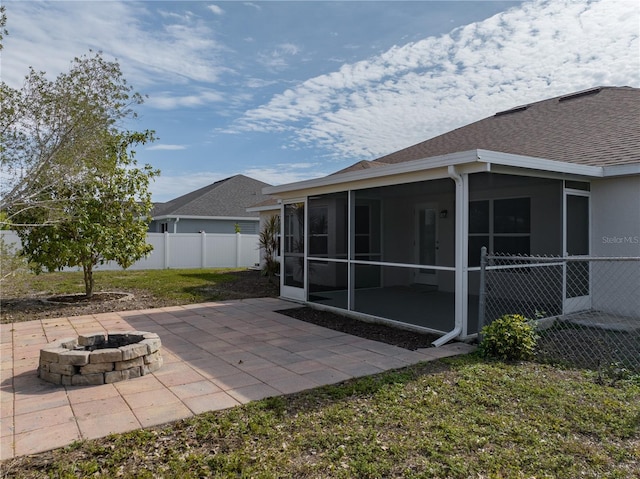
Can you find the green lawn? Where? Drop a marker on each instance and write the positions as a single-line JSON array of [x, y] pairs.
[[459, 418], [188, 285]]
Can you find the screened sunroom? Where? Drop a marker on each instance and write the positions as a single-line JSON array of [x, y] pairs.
[[404, 246]]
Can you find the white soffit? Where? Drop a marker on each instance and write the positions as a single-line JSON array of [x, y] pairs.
[[432, 163], [472, 161]]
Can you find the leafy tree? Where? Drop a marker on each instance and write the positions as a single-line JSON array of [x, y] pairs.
[[56, 131], [3, 24], [105, 217], [71, 188]]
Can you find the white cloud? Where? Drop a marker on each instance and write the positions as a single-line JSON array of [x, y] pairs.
[[278, 58], [418, 90], [253, 5], [182, 48], [216, 9], [168, 101], [288, 172], [166, 147]]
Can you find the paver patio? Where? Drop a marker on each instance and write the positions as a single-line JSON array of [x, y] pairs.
[[216, 356]]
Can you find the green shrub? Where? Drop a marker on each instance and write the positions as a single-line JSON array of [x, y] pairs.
[[511, 337]]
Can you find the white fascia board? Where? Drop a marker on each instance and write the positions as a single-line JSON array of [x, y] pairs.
[[423, 164], [632, 169], [541, 164], [194, 217], [258, 209], [471, 161]]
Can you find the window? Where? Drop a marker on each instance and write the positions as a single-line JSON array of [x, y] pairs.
[[503, 226], [164, 227]]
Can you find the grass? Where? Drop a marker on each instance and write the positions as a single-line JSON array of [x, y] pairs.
[[457, 418], [188, 285]]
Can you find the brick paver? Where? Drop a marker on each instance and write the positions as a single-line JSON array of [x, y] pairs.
[[216, 356]]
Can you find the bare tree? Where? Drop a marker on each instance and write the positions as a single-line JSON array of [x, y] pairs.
[[55, 132]]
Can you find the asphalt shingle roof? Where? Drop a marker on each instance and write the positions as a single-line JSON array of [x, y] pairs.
[[228, 197], [598, 127]]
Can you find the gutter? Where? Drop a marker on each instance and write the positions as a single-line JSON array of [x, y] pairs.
[[459, 279]]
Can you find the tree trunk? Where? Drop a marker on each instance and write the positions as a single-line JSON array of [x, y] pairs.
[[88, 280]]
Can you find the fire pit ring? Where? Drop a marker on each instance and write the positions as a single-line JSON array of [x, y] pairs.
[[100, 358]]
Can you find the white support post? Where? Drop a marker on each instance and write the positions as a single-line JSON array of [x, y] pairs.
[[203, 249], [166, 250], [238, 249]]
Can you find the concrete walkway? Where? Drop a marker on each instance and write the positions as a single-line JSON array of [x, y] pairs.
[[216, 356]]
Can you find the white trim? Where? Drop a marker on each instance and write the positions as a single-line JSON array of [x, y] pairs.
[[531, 162], [461, 257], [465, 161], [432, 163], [259, 209], [622, 170], [293, 292], [574, 304]]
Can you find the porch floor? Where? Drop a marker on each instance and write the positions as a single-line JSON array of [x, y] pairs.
[[605, 321], [411, 305]]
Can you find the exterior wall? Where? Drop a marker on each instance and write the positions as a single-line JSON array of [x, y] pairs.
[[615, 217], [185, 225], [615, 232]]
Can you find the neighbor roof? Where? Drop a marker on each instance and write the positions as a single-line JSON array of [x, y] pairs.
[[597, 127], [228, 197]]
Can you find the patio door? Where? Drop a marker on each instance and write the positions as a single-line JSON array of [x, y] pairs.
[[577, 280], [293, 251], [426, 242]]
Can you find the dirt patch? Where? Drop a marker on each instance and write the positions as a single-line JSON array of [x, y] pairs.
[[378, 332], [40, 307], [80, 298]]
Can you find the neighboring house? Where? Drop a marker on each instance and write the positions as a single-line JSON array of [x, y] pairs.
[[216, 208], [399, 238]]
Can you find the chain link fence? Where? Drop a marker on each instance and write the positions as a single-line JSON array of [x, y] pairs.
[[586, 309]]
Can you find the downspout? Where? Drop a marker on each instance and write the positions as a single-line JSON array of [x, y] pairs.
[[175, 225], [461, 198]]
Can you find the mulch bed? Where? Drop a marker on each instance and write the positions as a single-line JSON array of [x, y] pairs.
[[377, 332]]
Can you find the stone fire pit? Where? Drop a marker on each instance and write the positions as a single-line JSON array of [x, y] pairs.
[[100, 358]]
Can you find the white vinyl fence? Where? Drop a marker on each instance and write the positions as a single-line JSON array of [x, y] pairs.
[[187, 250]]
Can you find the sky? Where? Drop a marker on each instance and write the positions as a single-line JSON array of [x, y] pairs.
[[284, 91]]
